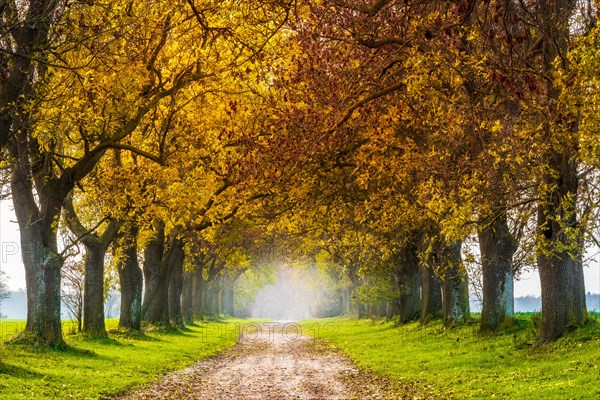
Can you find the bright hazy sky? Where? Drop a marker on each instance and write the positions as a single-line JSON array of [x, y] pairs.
[[12, 265]]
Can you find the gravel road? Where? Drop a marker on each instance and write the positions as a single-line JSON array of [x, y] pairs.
[[275, 361]]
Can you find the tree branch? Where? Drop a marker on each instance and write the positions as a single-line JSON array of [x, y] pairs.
[[371, 11], [362, 102], [74, 223]]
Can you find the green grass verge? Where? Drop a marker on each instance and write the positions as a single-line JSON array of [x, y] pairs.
[[95, 369], [461, 364]]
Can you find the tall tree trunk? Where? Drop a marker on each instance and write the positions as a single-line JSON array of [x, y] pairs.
[[431, 294], [79, 320], [175, 259], [228, 285], [198, 292], [496, 243], [406, 280], [345, 307], [95, 249], [559, 256], [563, 306], [215, 290], [212, 298], [455, 288], [356, 308], [216, 296], [41, 260], [156, 278], [431, 287], [497, 247], [131, 280], [187, 297], [221, 300], [42, 276], [93, 291], [209, 297], [560, 245], [208, 302]]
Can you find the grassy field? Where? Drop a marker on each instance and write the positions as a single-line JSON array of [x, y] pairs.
[[92, 369], [455, 363], [460, 364]]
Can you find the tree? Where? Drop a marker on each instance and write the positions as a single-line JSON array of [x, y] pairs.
[[118, 77], [26, 35], [560, 235], [125, 250], [429, 279], [43, 163], [96, 246], [163, 257]]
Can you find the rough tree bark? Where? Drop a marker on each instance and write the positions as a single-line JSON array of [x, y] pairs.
[[163, 277], [431, 294], [198, 291], [131, 282], [559, 256], [406, 281], [174, 261], [355, 309], [497, 247], [40, 255], [187, 297], [455, 288], [156, 278], [93, 292]]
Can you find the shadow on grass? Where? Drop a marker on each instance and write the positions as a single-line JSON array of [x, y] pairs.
[[18, 372], [63, 350], [210, 318], [170, 331], [133, 335], [104, 341]]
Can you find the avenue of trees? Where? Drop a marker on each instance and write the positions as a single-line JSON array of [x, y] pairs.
[[183, 144]]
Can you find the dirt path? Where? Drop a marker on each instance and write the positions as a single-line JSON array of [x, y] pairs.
[[274, 361]]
